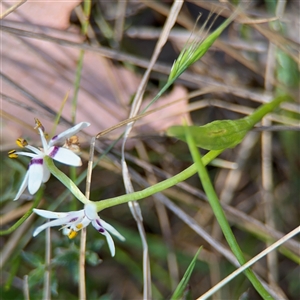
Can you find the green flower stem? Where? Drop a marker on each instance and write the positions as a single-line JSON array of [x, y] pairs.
[[219, 214], [102, 204], [157, 187], [72, 187], [266, 108]]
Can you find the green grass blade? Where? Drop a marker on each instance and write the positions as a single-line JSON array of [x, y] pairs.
[[196, 50], [87, 6], [178, 293], [220, 216], [37, 199]]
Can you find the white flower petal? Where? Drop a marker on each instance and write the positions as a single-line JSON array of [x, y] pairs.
[[49, 214], [65, 156], [36, 171], [98, 226], [66, 231], [39, 229], [60, 219], [23, 186], [46, 174], [85, 222], [110, 243], [112, 230], [68, 133], [57, 222], [90, 211], [44, 141]]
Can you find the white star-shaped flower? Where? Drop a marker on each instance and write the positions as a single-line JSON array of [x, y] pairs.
[[37, 170], [74, 221]]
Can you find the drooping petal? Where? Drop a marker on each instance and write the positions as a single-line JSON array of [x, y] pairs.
[[112, 230], [36, 171], [68, 133], [61, 219], [64, 156], [97, 223], [23, 186], [98, 226], [57, 222], [46, 174], [110, 243]]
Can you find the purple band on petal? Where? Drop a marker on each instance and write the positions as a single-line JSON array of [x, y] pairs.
[[101, 230], [54, 151], [74, 219], [54, 138], [36, 161]]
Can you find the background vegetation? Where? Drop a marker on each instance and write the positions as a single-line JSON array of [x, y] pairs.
[[100, 63]]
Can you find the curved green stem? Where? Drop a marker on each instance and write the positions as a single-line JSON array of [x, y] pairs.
[[65, 180], [35, 204], [102, 204], [157, 187]]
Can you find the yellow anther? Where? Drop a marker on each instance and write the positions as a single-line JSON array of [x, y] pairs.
[[79, 226], [12, 154], [38, 125], [72, 234], [21, 142]]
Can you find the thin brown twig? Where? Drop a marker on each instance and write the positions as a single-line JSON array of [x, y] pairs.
[[12, 9]]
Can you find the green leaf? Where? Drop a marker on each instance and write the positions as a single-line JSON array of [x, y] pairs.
[[66, 256], [92, 258], [36, 276], [185, 279], [216, 135], [223, 134], [34, 259]]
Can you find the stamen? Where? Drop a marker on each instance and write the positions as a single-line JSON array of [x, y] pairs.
[[79, 226], [12, 154], [21, 142], [38, 125], [72, 234]]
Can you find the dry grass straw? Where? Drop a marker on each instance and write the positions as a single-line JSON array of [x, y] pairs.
[[188, 203]]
